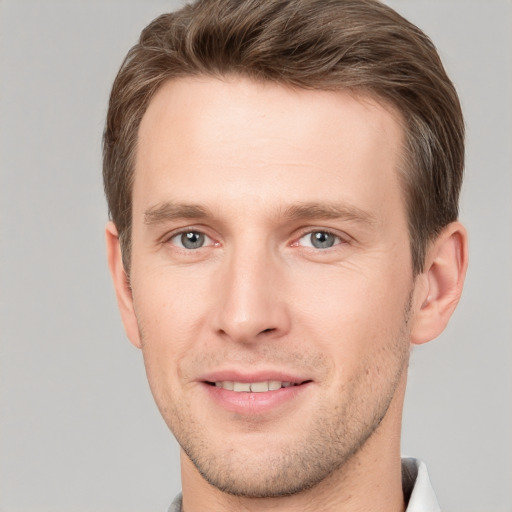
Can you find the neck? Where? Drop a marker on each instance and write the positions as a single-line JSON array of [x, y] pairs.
[[370, 480]]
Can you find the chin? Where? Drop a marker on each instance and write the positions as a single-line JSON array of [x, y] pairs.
[[263, 466], [269, 478]]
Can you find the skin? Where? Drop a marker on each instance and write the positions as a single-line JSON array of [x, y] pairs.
[[257, 168]]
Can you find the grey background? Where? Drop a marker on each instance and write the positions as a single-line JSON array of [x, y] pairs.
[[78, 427]]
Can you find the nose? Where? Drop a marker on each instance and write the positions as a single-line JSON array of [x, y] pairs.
[[252, 298]]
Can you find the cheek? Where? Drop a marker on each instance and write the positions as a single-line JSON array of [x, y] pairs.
[[354, 314], [170, 303], [171, 313], [350, 295]]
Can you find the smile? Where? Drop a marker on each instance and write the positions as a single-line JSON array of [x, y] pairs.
[[256, 397], [253, 387]]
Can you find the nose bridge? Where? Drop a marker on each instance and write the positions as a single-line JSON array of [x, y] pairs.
[[251, 302]]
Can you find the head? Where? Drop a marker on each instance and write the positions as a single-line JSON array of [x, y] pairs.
[[282, 178]]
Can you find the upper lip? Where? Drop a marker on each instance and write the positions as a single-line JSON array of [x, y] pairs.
[[258, 376]]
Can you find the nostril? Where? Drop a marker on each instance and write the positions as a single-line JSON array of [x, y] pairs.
[[267, 330]]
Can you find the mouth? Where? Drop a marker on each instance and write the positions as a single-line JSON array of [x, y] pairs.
[[254, 387], [255, 395]]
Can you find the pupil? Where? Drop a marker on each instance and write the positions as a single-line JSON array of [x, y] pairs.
[[192, 240], [322, 240]]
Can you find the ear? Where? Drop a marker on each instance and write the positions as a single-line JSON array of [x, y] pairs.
[[121, 285], [439, 288]]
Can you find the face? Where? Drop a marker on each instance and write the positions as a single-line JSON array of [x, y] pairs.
[[271, 277]]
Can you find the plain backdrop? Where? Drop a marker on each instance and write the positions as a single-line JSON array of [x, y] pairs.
[[78, 427]]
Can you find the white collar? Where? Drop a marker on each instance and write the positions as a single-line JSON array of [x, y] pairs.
[[416, 483]]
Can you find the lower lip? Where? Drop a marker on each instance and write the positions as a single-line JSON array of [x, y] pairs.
[[254, 403]]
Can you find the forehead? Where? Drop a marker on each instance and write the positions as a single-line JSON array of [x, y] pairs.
[[206, 139]]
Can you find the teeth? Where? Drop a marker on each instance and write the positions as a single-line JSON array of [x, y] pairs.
[[241, 386], [255, 387], [259, 387], [228, 385], [273, 385]]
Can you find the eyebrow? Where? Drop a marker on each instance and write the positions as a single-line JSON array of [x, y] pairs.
[[327, 211], [168, 211]]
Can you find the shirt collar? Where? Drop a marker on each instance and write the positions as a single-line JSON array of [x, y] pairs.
[[416, 485]]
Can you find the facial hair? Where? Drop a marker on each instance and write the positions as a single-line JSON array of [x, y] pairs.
[[328, 440]]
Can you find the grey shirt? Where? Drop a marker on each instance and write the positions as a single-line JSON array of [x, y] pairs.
[[418, 491]]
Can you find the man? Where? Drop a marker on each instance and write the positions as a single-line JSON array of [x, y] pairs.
[[283, 178]]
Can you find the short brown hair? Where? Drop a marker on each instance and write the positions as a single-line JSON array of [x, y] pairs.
[[355, 45]]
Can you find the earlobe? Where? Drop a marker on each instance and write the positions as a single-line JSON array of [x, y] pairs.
[[121, 285], [441, 283]]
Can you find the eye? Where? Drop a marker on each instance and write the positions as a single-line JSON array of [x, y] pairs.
[[319, 240], [191, 240]]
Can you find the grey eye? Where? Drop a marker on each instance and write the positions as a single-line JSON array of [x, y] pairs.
[[319, 240], [190, 240]]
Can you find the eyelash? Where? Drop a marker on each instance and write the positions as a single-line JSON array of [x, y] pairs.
[[174, 235], [338, 239]]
